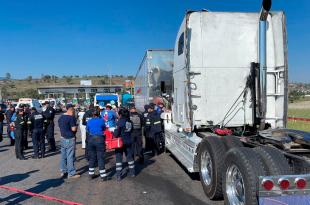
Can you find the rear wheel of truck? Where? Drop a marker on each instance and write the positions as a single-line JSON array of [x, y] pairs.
[[240, 176], [211, 161], [273, 160], [231, 142]]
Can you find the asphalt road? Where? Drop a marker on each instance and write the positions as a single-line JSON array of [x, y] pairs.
[[162, 180]]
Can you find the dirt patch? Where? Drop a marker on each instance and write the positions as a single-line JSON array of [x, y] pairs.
[[300, 105]]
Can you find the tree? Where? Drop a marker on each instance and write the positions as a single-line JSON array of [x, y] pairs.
[[8, 76], [102, 82], [29, 78], [69, 79]]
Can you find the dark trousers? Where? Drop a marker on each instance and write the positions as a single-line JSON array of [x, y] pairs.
[[96, 151], [25, 138], [156, 142], [86, 150], [127, 149], [18, 143], [136, 138], [50, 136], [38, 141]]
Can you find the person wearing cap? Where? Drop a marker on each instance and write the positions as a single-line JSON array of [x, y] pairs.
[[68, 129], [49, 115], [109, 117], [155, 130], [136, 135], [19, 126], [36, 125], [123, 130], [96, 145]]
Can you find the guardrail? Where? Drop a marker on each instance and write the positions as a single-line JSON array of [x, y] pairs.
[[299, 119]]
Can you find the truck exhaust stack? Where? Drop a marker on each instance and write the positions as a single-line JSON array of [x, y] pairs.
[[266, 6]]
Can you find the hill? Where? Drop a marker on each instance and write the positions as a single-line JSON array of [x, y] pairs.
[[14, 89]]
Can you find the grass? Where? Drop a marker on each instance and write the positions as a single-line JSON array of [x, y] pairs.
[[299, 125], [293, 112]]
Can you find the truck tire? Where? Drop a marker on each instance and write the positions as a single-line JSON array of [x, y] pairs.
[[231, 142], [273, 160], [211, 162], [240, 176]]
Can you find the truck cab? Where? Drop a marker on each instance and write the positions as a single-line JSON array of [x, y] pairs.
[[229, 108]]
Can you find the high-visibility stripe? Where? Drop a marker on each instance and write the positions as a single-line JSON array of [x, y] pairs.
[[148, 123], [91, 169], [131, 166], [102, 171], [103, 175], [118, 168], [91, 173], [131, 162], [119, 164], [157, 122]]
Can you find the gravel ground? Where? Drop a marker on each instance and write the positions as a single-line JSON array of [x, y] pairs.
[[162, 180]]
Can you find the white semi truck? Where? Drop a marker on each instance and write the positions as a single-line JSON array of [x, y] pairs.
[[229, 109]]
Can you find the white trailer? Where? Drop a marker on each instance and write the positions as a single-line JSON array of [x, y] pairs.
[[153, 78], [229, 109]]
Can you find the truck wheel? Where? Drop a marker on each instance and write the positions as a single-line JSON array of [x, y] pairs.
[[231, 142], [240, 176], [273, 160], [211, 161]]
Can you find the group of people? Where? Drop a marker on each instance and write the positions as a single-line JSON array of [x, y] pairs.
[[139, 133], [23, 122]]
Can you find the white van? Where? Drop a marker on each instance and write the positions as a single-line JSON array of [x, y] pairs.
[[31, 102]]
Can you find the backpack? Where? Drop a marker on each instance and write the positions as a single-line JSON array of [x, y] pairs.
[[136, 121]]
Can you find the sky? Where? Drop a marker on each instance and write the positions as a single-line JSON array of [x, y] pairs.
[[96, 37]]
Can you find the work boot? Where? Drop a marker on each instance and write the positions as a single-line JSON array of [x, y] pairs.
[[64, 175], [91, 177], [35, 157]]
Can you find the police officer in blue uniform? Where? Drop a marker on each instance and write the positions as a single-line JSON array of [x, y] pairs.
[[147, 127], [36, 124], [123, 130], [155, 132], [27, 114], [49, 115], [19, 126], [96, 145]]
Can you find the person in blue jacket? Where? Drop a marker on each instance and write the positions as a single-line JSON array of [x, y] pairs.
[[123, 130], [96, 145], [109, 117]]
